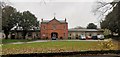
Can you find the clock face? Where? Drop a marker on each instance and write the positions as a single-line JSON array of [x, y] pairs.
[[43, 34]]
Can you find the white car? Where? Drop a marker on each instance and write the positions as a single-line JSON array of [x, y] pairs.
[[83, 37], [53, 38], [101, 37]]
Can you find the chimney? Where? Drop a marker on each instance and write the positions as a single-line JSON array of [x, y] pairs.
[[65, 19], [42, 19]]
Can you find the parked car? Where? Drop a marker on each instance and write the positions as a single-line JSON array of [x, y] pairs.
[[82, 37], [94, 37], [101, 37], [88, 37], [53, 38]]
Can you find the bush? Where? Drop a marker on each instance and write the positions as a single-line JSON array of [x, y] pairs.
[[69, 37], [46, 38], [61, 38], [107, 45]]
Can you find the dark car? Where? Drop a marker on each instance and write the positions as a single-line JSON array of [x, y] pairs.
[[94, 37]]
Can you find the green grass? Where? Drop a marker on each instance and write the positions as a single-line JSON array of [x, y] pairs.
[[46, 47], [50, 47], [4, 41]]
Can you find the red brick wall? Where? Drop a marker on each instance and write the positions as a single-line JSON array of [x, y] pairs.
[[47, 29]]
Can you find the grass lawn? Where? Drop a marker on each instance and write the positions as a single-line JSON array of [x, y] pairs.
[[52, 46]]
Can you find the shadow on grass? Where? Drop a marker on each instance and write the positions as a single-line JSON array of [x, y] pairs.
[[5, 41]]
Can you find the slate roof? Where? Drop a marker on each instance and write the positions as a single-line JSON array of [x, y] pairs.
[[84, 30], [47, 21], [27, 31]]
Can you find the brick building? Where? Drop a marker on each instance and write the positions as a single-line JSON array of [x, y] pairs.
[[54, 29]]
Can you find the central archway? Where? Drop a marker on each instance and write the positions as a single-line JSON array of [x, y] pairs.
[[54, 35]]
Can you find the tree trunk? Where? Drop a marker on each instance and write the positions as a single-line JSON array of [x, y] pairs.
[[111, 34], [24, 34], [119, 34], [6, 36], [6, 32]]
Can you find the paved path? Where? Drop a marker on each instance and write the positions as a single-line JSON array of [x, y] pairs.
[[52, 41]]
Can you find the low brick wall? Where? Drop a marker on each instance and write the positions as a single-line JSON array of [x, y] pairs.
[[60, 54]]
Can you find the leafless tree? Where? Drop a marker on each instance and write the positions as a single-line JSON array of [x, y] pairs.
[[4, 3], [109, 14], [102, 8]]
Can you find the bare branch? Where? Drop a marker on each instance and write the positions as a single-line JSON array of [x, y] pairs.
[[102, 8]]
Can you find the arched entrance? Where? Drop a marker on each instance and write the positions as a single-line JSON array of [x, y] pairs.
[[54, 35]]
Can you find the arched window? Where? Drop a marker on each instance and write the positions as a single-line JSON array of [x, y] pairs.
[[44, 27], [61, 37], [76, 36], [64, 34], [64, 27]]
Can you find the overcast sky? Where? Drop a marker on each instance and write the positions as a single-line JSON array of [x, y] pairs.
[[77, 12]]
